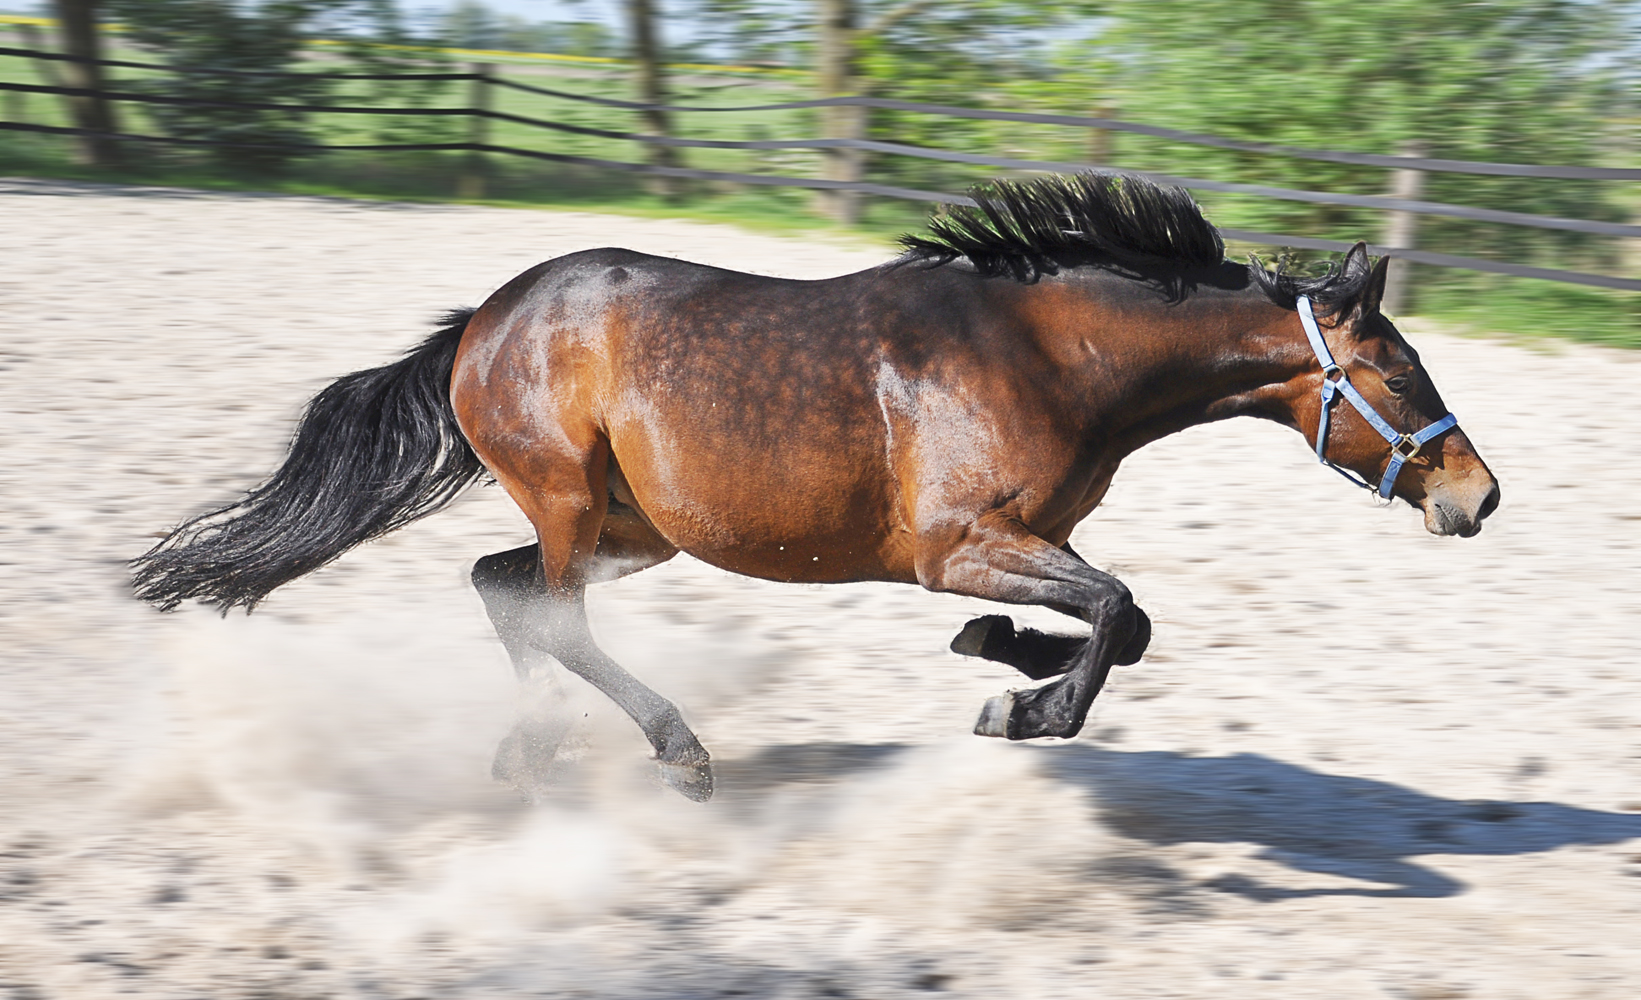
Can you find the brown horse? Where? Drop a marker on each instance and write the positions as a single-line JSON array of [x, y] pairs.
[[945, 419]]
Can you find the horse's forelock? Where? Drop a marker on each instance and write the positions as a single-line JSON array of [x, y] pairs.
[[1334, 291]]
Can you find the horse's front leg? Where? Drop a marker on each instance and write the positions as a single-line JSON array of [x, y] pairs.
[[998, 559], [1041, 655]]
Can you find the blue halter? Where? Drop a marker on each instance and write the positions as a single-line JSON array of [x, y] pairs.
[[1336, 383]]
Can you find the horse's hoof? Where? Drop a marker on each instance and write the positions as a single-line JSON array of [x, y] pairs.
[[692, 781], [994, 716], [972, 640], [525, 758]]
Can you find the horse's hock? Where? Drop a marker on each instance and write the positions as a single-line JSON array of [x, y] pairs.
[[1295, 781]]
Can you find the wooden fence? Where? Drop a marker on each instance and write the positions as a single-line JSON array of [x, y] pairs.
[[1403, 201]]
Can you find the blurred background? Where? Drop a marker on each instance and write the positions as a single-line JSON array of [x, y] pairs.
[[1509, 128], [1357, 761]]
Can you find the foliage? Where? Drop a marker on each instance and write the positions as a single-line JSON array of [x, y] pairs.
[[472, 24], [1530, 81], [1491, 304], [899, 41], [246, 38], [978, 53], [1546, 81]]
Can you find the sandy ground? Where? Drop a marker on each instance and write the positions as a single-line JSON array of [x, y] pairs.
[[1359, 761]]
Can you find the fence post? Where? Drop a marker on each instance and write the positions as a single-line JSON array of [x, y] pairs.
[[1402, 233], [470, 185], [1635, 249], [1099, 139]]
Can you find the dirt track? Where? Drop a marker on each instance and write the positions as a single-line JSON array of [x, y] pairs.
[[1358, 762]]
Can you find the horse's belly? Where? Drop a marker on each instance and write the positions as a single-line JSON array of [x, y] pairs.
[[804, 514]]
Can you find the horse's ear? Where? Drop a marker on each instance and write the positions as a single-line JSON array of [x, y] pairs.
[[1374, 293], [1359, 267]]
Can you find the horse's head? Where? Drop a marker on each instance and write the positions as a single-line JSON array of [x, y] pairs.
[[1441, 475]]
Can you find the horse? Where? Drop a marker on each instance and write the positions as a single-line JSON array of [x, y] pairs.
[[943, 419]]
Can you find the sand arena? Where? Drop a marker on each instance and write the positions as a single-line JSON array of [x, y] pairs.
[[1358, 761]]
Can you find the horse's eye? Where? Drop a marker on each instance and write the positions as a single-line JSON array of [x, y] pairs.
[[1398, 384]]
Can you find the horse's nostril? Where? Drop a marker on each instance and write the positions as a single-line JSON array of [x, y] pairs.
[[1490, 503]]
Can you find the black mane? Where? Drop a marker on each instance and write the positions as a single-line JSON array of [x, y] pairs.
[[1026, 229]]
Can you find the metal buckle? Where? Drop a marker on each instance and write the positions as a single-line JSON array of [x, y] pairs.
[[1328, 373], [1406, 447]]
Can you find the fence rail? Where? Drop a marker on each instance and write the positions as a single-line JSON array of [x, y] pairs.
[[881, 147]]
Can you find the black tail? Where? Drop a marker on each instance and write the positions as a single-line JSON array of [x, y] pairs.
[[375, 451]]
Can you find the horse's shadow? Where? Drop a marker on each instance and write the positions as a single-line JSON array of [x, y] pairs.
[[1355, 828]]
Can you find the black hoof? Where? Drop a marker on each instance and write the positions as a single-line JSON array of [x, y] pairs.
[[985, 637], [692, 781], [1135, 648], [1033, 653]]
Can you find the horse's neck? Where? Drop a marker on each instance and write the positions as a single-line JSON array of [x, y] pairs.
[[1207, 357]]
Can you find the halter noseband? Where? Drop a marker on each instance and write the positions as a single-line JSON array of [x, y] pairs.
[[1336, 383]]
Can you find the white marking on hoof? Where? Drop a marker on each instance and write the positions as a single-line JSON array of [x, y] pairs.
[[994, 716]]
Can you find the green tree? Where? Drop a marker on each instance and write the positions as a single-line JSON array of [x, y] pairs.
[[1528, 81], [234, 42], [973, 52], [473, 24]]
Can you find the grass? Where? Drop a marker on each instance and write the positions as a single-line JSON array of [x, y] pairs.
[[1524, 307], [511, 183]]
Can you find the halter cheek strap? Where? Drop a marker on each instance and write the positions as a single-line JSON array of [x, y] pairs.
[[1335, 383]]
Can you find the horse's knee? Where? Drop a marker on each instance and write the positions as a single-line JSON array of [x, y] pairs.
[[510, 570], [1113, 611]]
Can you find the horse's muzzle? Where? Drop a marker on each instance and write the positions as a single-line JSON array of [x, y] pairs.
[[1453, 512]]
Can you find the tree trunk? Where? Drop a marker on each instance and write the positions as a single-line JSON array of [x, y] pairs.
[[652, 89], [837, 79], [77, 28]]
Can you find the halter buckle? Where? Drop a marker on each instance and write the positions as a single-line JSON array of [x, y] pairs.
[[1329, 373], [1407, 447]]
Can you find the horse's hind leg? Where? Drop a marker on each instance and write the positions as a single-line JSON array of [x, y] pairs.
[[535, 597], [510, 582]]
